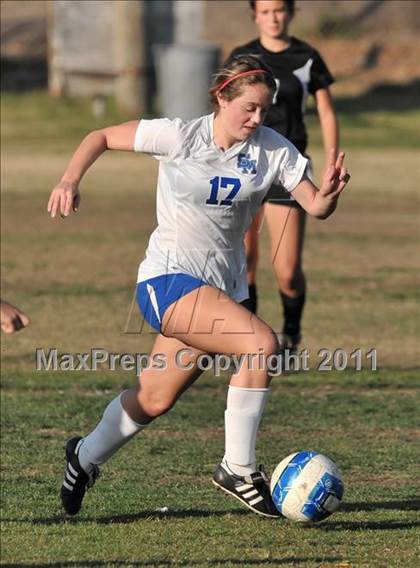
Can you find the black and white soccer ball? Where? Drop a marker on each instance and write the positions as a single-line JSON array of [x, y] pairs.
[[306, 487]]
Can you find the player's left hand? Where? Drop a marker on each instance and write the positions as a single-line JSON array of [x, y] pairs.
[[335, 177], [12, 319]]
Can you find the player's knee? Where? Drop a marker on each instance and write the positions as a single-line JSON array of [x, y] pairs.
[[266, 342], [289, 279], [271, 344], [156, 404]]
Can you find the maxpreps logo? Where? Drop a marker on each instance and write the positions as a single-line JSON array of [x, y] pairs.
[[247, 165]]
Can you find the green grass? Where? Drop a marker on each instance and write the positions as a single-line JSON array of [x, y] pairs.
[[367, 424], [35, 115], [60, 123], [381, 129], [75, 278]]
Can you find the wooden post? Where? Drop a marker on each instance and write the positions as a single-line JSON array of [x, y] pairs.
[[130, 84]]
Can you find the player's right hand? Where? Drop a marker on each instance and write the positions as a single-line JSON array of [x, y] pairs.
[[64, 198]]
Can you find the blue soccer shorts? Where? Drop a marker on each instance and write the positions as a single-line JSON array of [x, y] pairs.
[[155, 295]]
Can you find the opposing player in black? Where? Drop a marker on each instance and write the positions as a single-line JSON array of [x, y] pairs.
[[299, 71]]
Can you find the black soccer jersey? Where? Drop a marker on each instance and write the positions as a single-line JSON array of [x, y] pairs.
[[298, 70]]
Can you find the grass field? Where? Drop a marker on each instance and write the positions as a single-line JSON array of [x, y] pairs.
[[76, 277]]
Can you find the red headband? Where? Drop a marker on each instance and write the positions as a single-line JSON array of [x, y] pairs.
[[243, 74]]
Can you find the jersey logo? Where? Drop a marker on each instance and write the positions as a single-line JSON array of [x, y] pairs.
[[247, 165]]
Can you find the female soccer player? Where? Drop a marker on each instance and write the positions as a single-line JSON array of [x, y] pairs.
[[214, 173], [298, 70]]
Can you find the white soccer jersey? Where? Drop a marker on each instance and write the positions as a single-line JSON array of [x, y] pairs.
[[207, 198]]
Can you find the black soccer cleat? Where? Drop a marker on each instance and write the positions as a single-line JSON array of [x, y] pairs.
[[76, 480], [252, 490]]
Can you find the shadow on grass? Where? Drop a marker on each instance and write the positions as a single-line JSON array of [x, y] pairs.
[[366, 525], [129, 518], [382, 97], [295, 560], [410, 505]]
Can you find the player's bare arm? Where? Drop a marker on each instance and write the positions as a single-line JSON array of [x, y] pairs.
[[65, 196], [328, 121], [322, 202]]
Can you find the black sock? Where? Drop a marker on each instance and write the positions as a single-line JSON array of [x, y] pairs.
[[292, 310], [251, 302]]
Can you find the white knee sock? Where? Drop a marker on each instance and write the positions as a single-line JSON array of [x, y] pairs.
[[242, 419], [114, 430]]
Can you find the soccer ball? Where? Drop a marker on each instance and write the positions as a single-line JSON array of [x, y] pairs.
[[306, 487]]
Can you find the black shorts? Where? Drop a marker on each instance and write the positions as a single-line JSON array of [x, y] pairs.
[[277, 195]]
